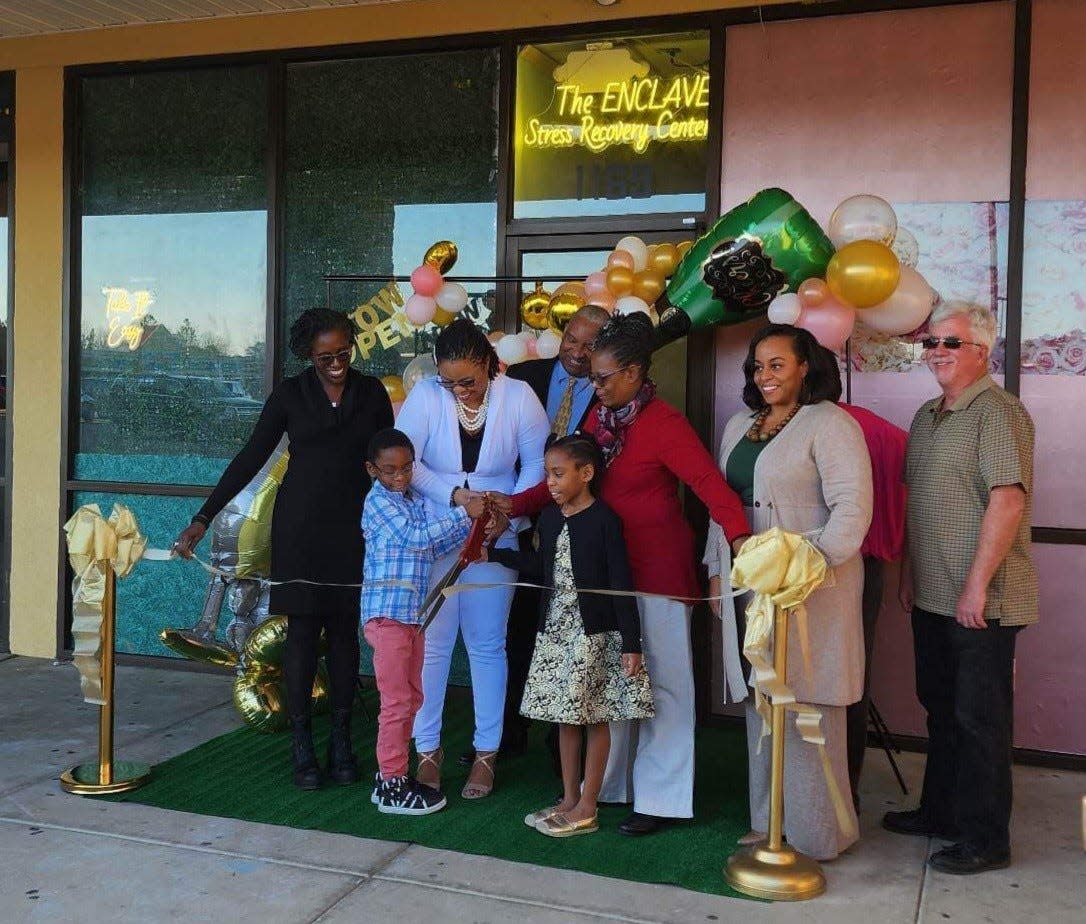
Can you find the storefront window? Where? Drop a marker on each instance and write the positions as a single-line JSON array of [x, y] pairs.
[[612, 126], [370, 186], [173, 273]]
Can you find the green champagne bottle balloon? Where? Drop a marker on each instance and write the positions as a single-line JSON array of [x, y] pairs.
[[766, 246]]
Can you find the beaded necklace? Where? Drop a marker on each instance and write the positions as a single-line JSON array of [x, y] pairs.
[[755, 435], [471, 420]]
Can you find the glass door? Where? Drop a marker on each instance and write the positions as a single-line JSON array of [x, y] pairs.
[[573, 257]]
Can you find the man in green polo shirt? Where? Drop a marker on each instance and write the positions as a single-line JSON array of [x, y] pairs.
[[970, 583]]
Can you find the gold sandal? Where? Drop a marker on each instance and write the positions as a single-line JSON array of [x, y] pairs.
[[558, 825], [434, 758], [535, 818], [480, 790]]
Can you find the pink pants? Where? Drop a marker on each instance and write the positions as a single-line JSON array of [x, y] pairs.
[[397, 665]]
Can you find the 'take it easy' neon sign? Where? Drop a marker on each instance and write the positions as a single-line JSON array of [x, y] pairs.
[[646, 110]]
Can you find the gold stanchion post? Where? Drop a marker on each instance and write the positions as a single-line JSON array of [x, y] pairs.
[[772, 869], [105, 776]]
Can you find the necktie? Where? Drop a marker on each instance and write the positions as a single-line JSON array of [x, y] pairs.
[[565, 410]]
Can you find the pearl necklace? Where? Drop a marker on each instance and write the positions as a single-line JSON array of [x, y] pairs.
[[472, 420], [754, 434]]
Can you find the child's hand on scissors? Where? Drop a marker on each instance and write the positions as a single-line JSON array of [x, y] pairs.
[[631, 663]]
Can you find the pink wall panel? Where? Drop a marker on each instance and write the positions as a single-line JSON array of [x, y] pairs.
[[914, 106]]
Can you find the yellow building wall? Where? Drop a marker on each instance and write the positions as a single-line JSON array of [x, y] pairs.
[[40, 245]]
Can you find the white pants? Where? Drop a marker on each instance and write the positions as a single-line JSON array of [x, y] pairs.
[[481, 616], [652, 760]]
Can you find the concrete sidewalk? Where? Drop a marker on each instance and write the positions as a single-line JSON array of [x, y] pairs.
[[66, 858]]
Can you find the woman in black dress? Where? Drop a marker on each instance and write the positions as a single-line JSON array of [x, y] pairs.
[[329, 413]]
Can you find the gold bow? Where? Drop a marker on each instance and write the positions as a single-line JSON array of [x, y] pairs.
[[782, 570], [94, 544]]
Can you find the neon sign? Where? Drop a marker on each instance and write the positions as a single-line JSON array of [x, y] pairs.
[[125, 313], [635, 113]]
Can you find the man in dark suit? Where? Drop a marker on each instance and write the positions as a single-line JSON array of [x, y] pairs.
[[562, 386]]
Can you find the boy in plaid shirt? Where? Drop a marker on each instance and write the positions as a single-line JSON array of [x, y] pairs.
[[402, 543]]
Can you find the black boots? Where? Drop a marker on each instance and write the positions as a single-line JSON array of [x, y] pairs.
[[342, 766], [307, 775]]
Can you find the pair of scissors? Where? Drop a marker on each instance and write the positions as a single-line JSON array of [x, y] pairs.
[[471, 552]]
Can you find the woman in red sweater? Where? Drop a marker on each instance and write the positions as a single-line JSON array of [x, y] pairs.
[[649, 448]]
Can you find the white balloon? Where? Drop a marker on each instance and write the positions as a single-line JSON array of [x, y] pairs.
[[785, 309], [511, 349], [637, 249], [452, 297], [862, 218], [421, 367], [629, 304], [905, 310], [906, 248], [547, 344]]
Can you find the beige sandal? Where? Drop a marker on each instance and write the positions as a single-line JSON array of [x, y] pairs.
[[476, 790], [433, 759], [542, 815]]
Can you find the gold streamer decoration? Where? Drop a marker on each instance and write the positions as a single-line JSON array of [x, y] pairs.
[[782, 570], [95, 544]]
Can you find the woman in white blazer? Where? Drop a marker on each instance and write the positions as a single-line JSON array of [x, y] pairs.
[[800, 462], [471, 428]]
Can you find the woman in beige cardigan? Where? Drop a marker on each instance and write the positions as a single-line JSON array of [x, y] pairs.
[[800, 462]]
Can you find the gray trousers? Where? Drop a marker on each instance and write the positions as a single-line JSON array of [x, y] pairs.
[[652, 760], [810, 824]]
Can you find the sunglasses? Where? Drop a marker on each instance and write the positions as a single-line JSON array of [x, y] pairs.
[[599, 378], [327, 360], [450, 384], [951, 343]]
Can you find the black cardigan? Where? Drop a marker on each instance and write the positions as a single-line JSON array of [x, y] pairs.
[[598, 553]]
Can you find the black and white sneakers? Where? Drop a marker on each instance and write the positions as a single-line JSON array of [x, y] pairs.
[[404, 795]]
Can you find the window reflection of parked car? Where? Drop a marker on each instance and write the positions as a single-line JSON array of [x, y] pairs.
[[176, 406]]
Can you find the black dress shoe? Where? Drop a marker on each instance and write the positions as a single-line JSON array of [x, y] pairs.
[[963, 860], [637, 824], [918, 824]]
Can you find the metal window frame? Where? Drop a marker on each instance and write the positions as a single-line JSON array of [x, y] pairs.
[[9, 346]]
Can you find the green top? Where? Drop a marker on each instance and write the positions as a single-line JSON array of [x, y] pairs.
[[739, 469], [956, 456]]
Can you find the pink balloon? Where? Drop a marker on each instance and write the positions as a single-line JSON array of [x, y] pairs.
[[906, 309], [830, 323], [396, 405], [595, 283], [605, 300], [620, 258], [533, 349], [813, 292], [420, 309], [426, 280]]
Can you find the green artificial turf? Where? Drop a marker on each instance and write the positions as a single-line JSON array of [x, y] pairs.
[[244, 774]]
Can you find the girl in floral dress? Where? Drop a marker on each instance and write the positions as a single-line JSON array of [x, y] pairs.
[[587, 669]]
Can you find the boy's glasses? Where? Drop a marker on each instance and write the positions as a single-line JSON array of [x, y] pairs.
[[951, 343], [327, 360], [450, 384], [390, 471], [599, 378]]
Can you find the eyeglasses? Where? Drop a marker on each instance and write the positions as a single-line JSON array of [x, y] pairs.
[[327, 360], [951, 343], [599, 378], [450, 384], [390, 471]]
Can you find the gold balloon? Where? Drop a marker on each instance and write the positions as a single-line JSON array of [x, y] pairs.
[[441, 317], [260, 697], [649, 285], [534, 307], [663, 259], [682, 247], [198, 649], [394, 386], [863, 273], [563, 307], [441, 256], [620, 280]]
